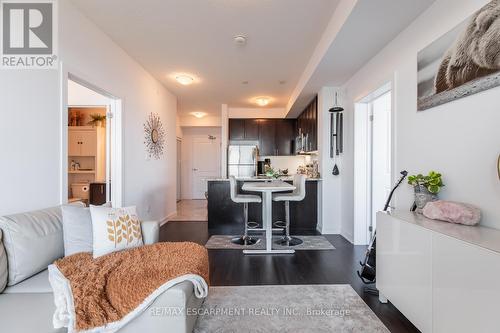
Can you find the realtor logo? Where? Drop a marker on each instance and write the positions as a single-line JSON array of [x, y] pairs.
[[29, 31]]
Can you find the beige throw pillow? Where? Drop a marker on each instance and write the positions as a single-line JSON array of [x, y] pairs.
[[114, 229]]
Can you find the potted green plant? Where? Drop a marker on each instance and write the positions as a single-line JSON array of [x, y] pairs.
[[426, 188], [97, 120]]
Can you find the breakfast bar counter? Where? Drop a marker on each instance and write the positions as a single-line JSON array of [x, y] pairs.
[[226, 217]]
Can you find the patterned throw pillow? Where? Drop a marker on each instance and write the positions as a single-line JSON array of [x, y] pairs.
[[114, 229]]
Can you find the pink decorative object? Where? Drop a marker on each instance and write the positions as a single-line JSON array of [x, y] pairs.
[[454, 212]]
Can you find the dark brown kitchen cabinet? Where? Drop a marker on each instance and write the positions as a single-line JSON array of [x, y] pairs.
[[251, 129], [267, 137], [276, 137], [237, 129], [307, 123], [285, 137]]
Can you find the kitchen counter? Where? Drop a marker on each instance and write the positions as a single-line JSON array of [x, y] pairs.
[[260, 179]]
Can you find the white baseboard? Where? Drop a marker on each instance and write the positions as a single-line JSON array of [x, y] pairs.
[[167, 218], [329, 231], [348, 236]]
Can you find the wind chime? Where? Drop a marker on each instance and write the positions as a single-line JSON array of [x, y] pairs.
[[336, 133]]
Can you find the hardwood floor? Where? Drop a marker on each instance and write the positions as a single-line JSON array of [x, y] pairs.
[[191, 210], [232, 268]]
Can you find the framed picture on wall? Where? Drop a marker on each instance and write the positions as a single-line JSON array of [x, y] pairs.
[[464, 61]]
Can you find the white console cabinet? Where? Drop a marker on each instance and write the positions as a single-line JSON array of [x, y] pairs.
[[443, 277]]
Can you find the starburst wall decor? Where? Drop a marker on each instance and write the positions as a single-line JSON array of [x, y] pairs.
[[154, 136]]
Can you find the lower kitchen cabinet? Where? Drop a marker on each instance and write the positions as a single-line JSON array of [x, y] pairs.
[[226, 217]]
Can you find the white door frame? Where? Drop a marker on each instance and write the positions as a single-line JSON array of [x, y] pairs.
[[363, 159], [178, 157], [116, 128]]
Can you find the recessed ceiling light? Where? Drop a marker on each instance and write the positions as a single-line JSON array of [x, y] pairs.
[[185, 80], [244, 82], [198, 114], [282, 82], [262, 101], [240, 39]]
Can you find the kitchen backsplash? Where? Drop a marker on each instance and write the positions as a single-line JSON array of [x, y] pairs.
[[285, 162]]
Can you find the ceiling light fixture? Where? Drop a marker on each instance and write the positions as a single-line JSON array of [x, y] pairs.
[[240, 40], [262, 101], [184, 79], [198, 114]]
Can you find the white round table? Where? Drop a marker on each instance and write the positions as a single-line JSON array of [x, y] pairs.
[[267, 189]]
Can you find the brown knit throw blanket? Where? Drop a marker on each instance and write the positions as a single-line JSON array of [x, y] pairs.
[[108, 288]]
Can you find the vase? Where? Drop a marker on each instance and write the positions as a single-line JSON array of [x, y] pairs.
[[423, 196]]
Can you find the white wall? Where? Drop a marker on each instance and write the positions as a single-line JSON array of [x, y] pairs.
[[460, 139], [192, 121], [31, 139], [331, 204], [257, 112], [190, 133]]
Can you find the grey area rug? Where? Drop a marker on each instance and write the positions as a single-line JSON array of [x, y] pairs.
[[269, 309], [310, 243]]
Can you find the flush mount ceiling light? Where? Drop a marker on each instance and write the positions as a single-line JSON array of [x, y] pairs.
[[240, 40], [262, 101], [198, 114], [184, 79]]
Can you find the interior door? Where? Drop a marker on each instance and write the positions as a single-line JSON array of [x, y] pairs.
[[381, 153], [205, 165]]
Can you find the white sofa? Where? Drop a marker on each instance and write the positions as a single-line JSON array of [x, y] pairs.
[[28, 305]]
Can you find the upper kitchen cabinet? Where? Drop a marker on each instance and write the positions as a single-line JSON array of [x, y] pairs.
[[307, 126], [243, 129], [236, 129], [275, 136], [285, 137], [251, 129], [267, 137]]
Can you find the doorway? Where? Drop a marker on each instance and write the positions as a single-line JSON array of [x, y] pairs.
[[373, 160], [205, 164], [91, 152]]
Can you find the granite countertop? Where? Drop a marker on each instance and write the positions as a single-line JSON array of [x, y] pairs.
[[484, 237], [260, 179]]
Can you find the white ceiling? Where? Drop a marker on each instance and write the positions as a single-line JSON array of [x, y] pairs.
[[196, 36], [371, 25]]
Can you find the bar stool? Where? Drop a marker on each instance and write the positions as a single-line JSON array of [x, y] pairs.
[[244, 239], [299, 181]]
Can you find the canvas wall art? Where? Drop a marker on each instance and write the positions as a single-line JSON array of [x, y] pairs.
[[464, 61]]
